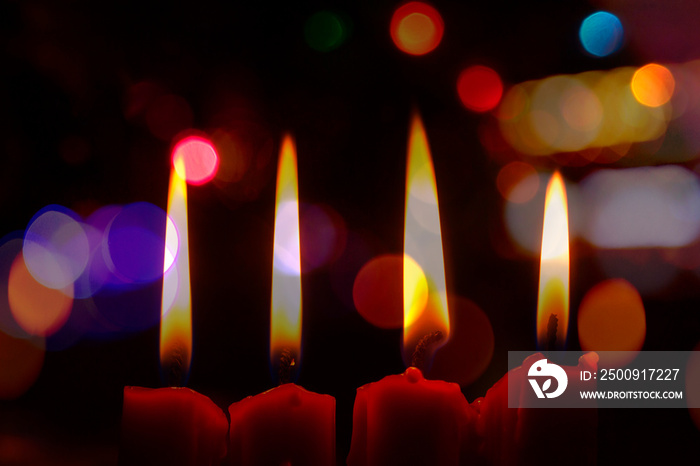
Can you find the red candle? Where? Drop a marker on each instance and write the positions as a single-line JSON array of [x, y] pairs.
[[173, 426], [515, 435], [286, 425], [406, 419]]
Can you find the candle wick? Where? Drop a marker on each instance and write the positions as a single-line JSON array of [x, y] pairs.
[[173, 369], [552, 327], [286, 364], [424, 344]]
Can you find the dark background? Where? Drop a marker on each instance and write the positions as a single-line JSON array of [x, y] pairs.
[[75, 131]]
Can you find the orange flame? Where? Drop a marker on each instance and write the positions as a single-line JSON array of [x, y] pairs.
[[553, 298], [285, 315], [425, 297], [176, 308]]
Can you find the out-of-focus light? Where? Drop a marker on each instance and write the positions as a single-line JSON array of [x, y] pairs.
[[572, 113], [612, 318], [518, 182], [136, 242], [377, 291], [56, 248], [324, 230], [416, 28], [469, 350], [523, 221], [642, 207], [20, 364], [97, 274], [479, 88], [653, 85], [200, 160], [10, 248], [581, 108], [644, 267], [601, 34], [325, 31], [39, 310]]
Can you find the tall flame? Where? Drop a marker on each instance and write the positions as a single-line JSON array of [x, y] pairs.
[[176, 308], [425, 297], [285, 322], [553, 298]]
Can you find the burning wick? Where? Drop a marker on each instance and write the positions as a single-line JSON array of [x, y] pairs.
[[552, 326], [286, 364], [173, 367], [418, 359]]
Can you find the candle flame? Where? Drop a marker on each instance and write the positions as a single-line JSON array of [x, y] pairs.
[[285, 325], [176, 308], [425, 298], [553, 298]]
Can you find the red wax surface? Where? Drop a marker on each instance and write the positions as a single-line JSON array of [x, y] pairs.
[[523, 436], [408, 420], [171, 426], [287, 425]]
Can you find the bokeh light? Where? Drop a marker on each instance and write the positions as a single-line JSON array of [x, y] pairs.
[[469, 350], [416, 291], [246, 149], [10, 248], [479, 88], [343, 272], [378, 293], [653, 85], [518, 182], [82, 286], [323, 235], [645, 268], [612, 318], [199, 159], [601, 34], [39, 310], [56, 247], [581, 108], [136, 242], [129, 307], [642, 207], [97, 274], [416, 28], [523, 221], [573, 113], [325, 31], [21, 361]]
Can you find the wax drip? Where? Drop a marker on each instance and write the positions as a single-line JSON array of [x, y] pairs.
[[286, 364], [552, 327], [418, 359]]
